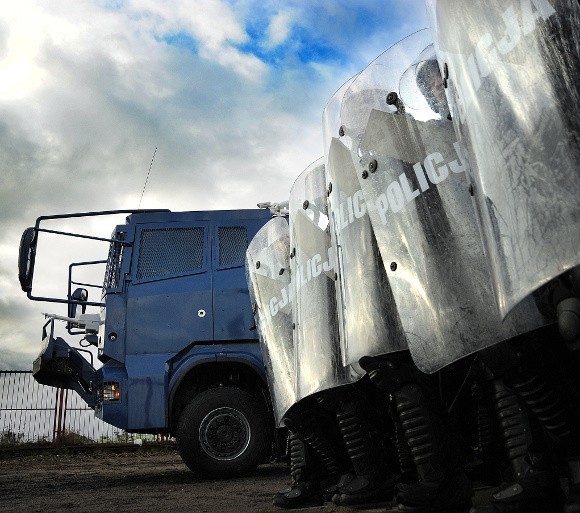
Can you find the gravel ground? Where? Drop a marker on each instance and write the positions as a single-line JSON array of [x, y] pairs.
[[137, 481]]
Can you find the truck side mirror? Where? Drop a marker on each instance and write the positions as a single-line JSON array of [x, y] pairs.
[[78, 295], [26, 254]]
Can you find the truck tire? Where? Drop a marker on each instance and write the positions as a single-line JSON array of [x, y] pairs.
[[223, 432]]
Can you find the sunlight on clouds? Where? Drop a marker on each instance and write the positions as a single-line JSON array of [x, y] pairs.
[[34, 32], [19, 74], [18, 78], [248, 66], [211, 23], [128, 37], [279, 28]]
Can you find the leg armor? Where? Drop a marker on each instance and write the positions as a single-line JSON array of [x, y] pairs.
[[314, 458], [560, 298], [534, 488], [404, 457], [485, 441], [442, 485], [552, 403], [372, 479], [305, 475]]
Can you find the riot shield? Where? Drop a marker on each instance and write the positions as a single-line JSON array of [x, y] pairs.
[[408, 166], [268, 276], [312, 263], [368, 320], [512, 71]]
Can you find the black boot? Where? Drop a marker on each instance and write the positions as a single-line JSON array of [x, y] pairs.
[[372, 480], [573, 500], [305, 487], [558, 416], [533, 487], [442, 485], [321, 434]]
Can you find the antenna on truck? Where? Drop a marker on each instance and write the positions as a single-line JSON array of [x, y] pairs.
[[146, 179]]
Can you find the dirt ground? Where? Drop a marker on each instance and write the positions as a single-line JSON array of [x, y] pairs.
[[136, 482]]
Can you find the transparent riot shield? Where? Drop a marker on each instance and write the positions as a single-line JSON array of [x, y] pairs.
[[512, 71], [368, 319], [312, 263], [408, 165], [268, 274]]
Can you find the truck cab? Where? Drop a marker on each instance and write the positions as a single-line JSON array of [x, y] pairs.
[[174, 334]]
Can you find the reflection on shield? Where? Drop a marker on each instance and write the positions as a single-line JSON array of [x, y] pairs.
[[317, 350], [267, 269], [514, 88], [369, 323], [417, 196]]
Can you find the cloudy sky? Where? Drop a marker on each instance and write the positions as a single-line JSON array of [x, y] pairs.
[[230, 92]]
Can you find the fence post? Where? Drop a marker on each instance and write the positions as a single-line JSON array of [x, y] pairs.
[[58, 428], [55, 418], [63, 413]]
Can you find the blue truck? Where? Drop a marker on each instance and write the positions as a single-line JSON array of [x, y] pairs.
[[175, 334]]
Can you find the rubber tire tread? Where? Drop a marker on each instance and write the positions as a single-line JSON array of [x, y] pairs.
[[187, 434]]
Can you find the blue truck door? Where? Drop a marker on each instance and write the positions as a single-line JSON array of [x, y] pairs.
[[233, 315], [171, 287]]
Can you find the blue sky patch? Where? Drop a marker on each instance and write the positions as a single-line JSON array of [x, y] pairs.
[[299, 47], [181, 40]]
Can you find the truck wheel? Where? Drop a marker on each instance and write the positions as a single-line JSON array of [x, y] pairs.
[[223, 432]]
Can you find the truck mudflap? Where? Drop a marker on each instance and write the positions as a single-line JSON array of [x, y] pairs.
[[62, 366]]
